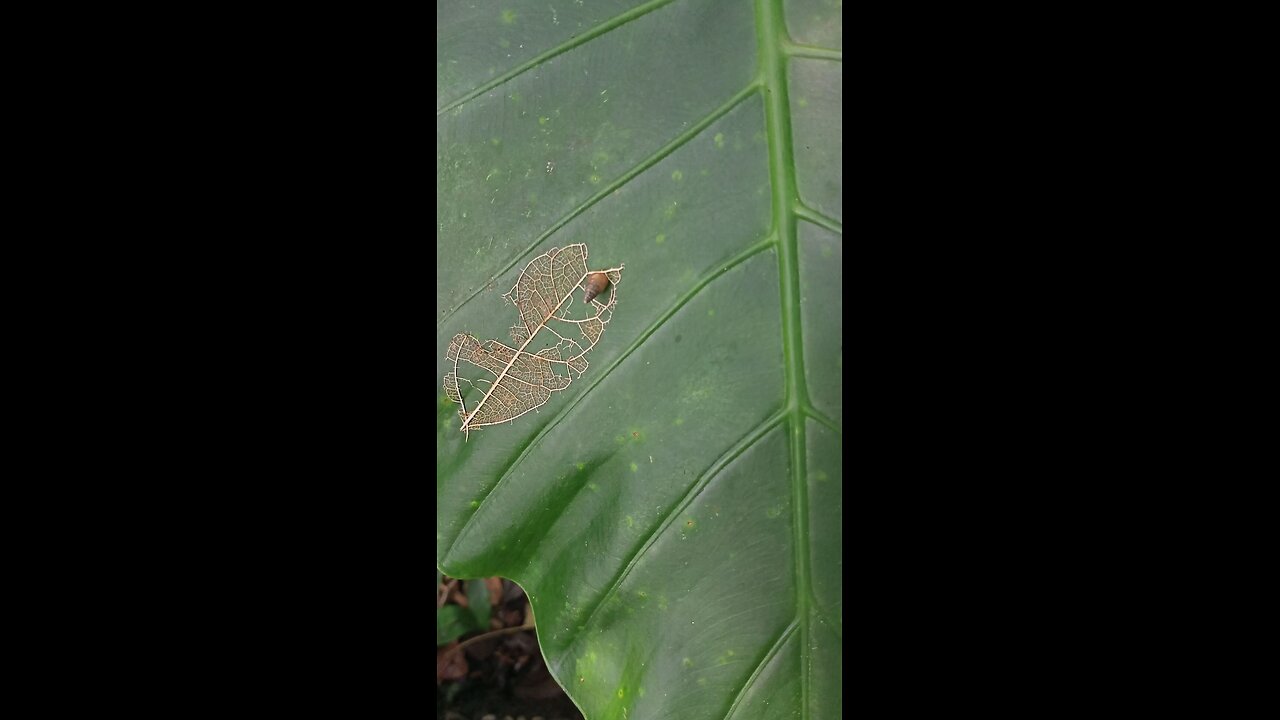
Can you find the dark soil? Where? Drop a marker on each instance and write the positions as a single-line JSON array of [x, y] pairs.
[[502, 676]]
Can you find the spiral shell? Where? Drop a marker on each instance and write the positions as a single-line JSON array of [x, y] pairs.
[[596, 283]]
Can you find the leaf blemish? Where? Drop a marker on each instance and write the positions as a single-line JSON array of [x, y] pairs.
[[521, 380]]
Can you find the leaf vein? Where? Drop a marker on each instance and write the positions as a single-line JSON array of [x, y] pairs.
[[595, 32], [813, 52], [822, 419], [764, 663], [817, 218], [771, 27]]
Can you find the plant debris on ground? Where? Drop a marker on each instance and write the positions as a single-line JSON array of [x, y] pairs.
[[488, 663]]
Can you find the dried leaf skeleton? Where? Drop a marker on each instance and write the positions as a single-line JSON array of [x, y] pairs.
[[549, 343]]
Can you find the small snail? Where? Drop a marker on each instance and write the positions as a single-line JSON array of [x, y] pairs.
[[596, 283]]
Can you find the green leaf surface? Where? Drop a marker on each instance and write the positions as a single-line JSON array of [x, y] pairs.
[[453, 621], [674, 515]]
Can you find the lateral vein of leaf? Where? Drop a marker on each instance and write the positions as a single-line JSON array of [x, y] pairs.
[[813, 52], [658, 155], [817, 218], [742, 257], [691, 494], [764, 663], [595, 32], [817, 415]]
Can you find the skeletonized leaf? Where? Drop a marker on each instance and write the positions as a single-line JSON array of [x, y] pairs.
[[549, 344]]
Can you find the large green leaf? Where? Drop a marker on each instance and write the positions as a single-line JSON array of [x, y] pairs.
[[675, 514]]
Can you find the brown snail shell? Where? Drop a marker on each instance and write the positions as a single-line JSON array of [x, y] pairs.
[[596, 283]]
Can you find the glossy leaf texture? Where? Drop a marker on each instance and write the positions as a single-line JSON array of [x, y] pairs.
[[675, 515]]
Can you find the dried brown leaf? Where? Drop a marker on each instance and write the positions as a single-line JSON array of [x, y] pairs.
[[495, 590], [549, 344], [450, 666]]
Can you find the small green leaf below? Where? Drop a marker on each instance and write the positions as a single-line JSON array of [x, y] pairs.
[[478, 599], [453, 621]]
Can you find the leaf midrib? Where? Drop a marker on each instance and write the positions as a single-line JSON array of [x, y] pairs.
[[772, 40]]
